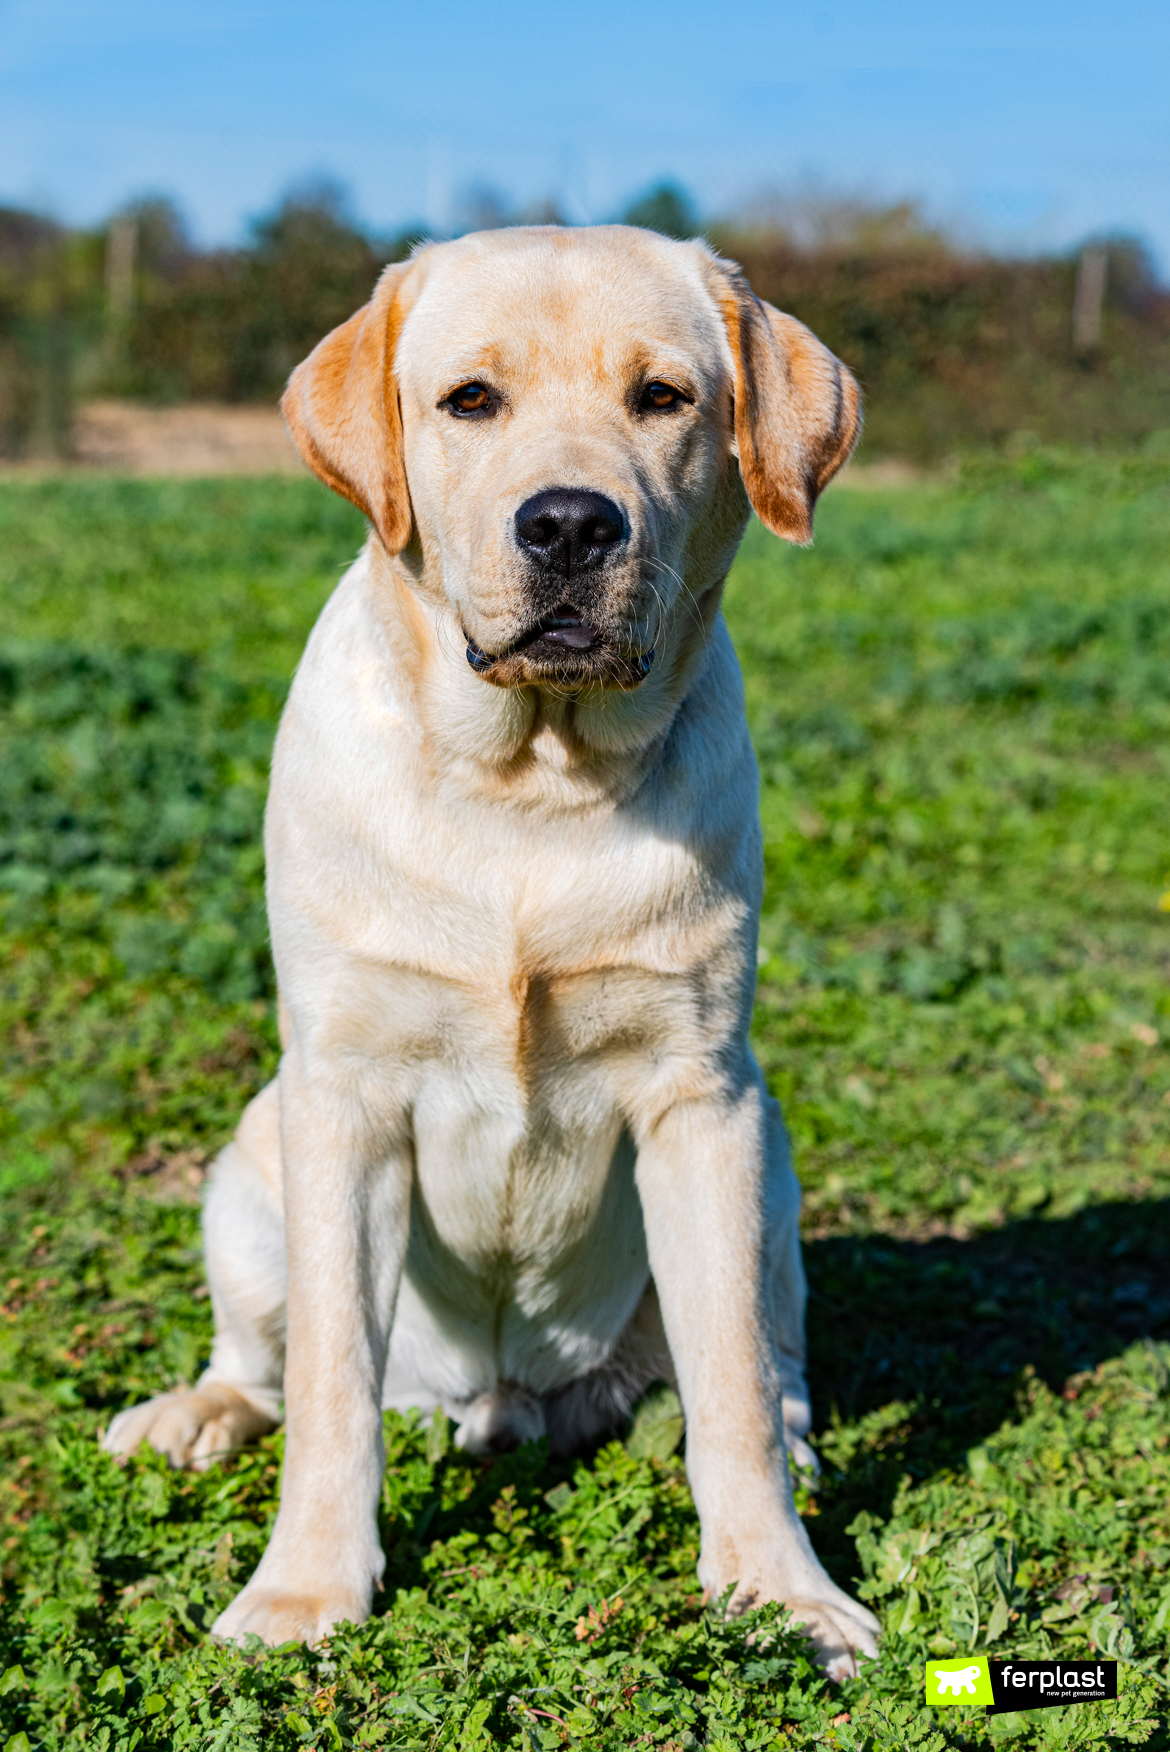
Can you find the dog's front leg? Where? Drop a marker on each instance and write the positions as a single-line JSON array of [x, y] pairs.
[[705, 1175], [347, 1199]]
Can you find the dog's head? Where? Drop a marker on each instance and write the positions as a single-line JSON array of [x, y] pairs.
[[560, 427]]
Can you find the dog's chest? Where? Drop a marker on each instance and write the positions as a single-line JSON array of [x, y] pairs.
[[525, 1074], [518, 992]]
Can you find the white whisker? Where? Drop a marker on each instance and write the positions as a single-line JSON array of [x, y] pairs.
[[684, 591]]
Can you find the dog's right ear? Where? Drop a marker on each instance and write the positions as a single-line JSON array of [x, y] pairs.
[[341, 407]]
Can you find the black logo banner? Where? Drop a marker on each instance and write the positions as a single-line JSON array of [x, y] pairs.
[[1046, 1684]]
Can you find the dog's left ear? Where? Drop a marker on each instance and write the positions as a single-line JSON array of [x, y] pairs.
[[797, 408], [341, 407]]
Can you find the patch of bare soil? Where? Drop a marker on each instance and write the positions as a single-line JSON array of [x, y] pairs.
[[201, 438], [198, 438], [211, 438], [883, 472], [177, 1177]]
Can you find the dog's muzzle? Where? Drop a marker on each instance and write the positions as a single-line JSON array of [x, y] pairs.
[[565, 534]]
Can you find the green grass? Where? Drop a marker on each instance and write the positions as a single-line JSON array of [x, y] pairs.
[[961, 701]]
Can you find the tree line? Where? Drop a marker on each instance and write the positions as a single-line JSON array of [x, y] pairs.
[[955, 348]]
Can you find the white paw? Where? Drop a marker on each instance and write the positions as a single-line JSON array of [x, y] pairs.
[[499, 1421], [804, 1456], [194, 1426], [841, 1630], [797, 1423], [841, 1635], [280, 1617]]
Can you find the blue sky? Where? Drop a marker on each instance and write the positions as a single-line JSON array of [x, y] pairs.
[[1025, 125]]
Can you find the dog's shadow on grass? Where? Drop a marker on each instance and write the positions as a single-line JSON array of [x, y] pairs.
[[945, 1326], [949, 1327]]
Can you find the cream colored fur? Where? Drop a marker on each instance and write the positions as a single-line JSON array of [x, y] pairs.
[[519, 1160]]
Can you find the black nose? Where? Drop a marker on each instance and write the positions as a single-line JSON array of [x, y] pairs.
[[569, 530]]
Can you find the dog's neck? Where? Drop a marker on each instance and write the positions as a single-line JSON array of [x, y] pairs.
[[535, 747]]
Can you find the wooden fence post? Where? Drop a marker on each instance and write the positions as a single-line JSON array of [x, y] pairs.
[[1089, 297]]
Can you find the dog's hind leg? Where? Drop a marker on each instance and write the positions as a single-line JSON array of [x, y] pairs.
[[599, 1404], [238, 1396]]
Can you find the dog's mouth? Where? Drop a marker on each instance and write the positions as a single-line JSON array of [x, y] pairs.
[[566, 648]]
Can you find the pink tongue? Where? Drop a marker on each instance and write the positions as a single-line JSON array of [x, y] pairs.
[[577, 638]]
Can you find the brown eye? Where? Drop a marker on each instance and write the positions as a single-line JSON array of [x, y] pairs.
[[659, 398], [470, 398]]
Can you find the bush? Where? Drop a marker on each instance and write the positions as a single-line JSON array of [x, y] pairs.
[[954, 351]]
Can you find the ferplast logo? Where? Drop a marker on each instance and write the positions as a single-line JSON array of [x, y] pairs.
[[963, 1680], [1023, 1685], [1018, 1685]]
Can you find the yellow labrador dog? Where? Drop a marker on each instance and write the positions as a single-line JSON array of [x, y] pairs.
[[519, 1160]]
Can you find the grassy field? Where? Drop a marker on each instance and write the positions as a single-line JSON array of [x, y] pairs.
[[961, 701]]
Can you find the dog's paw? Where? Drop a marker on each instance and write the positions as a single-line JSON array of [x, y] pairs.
[[842, 1631], [280, 1617], [797, 1424], [194, 1426], [841, 1634], [497, 1422]]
